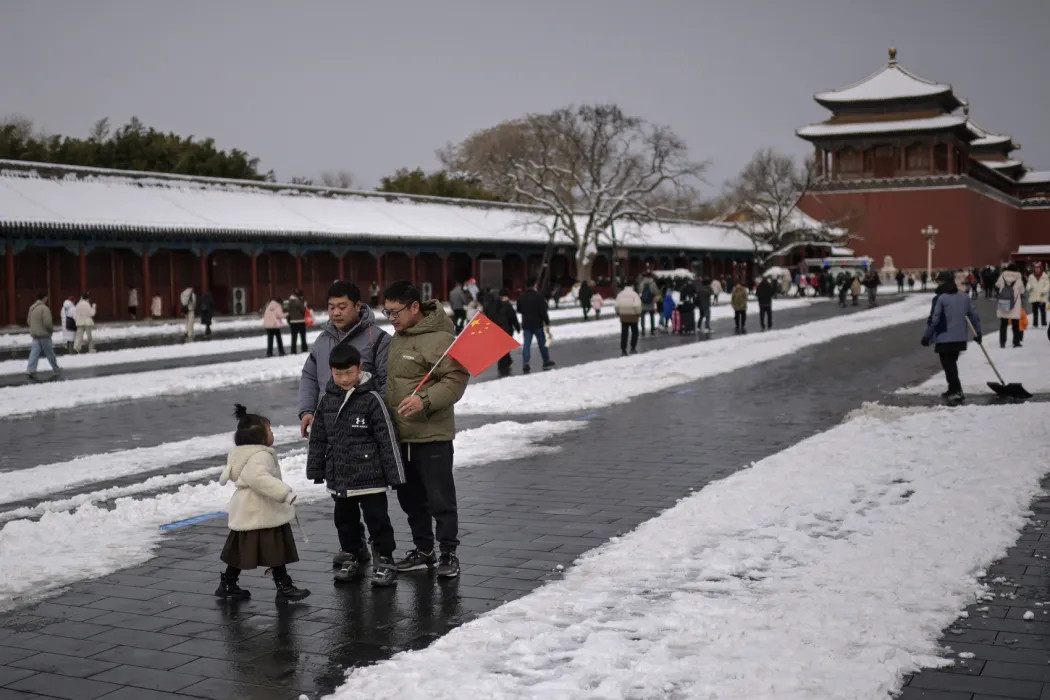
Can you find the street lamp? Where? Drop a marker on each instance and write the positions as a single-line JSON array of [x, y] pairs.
[[929, 233]]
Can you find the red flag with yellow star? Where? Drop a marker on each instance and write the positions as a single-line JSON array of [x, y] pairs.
[[480, 344]]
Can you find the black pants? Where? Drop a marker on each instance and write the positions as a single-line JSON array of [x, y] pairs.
[[429, 495], [632, 329], [900, 288], [459, 318], [652, 322], [280, 573], [765, 316], [504, 364], [272, 333], [950, 363], [1038, 313], [740, 320], [298, 332], [586, 309], [1017, 334], [347, 516]]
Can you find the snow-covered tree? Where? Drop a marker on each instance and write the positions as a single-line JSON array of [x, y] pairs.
[[584, 170], [762, 203]]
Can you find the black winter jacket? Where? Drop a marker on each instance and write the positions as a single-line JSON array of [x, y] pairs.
[[502, 314], [353, 441], [764, 293], [533, 309]]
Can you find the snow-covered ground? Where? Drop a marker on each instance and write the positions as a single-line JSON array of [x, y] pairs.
[[607, 382], [65, 546], [827, 570], [34, 398], [1026, 364]]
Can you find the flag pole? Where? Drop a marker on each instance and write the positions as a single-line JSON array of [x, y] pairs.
[[444, 354]]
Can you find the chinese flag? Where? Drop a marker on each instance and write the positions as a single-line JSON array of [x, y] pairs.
[[480, 344]]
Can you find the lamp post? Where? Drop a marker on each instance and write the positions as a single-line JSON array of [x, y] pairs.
[[930, 234]]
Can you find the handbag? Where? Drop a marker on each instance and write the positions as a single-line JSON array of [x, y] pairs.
[[1024, 321], [308, 317]]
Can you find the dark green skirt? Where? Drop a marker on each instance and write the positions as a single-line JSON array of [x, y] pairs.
[[271, 547]]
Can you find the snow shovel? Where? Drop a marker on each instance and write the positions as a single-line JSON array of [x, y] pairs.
[[1009, 391]]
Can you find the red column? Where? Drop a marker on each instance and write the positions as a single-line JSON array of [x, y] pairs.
[[204, 271], [269, 277], [83, 269], [933, 166], [444, 278], [171, 284], [146, 301], [9, 273], [474, 267], [412, 268], [341, 257], [379, 270], [298, 270], [114, 283], [253, 301]]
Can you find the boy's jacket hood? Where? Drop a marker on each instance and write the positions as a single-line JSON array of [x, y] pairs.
[[364, 385]]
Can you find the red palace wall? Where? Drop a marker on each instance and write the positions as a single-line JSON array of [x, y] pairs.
[[1034, 226], [975, 229]]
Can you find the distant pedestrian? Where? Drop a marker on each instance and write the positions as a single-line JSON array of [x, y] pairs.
[[667, 309], [584, 296], [1009, 305], [206, 305], [188, 300], [704, 294], [948, 331], [501, 312], [900, 281], [911, 283], [260, 512], [647, 292], [1038, 294], [764, 294], [69, 322], [925, 278], [871, 283], [534, 322], [716, 289], [475, 292], [373, 294], [558, 293], [855, 289], [297, 319], [133, 303], [738, 300], [156, 307], [629, 308], [457, 300], [41, 328], [85, 320], [354, 451], [596, 305], [273, 319]]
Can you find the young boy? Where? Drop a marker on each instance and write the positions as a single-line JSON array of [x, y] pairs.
[[354, 449]]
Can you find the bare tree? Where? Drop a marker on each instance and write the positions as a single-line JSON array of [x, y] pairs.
[[343, 179], [585, 170], [762, 203], [99, 130]]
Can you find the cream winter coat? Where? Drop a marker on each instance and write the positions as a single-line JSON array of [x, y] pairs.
[[628, 305], [84, 314], [1011, 278], [274, 315], [261, 500], [1039, 289]]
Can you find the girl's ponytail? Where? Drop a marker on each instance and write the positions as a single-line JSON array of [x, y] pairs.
[[251, 428]]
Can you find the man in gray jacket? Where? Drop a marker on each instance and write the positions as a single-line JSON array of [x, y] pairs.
[[41, 326], [349, 321]]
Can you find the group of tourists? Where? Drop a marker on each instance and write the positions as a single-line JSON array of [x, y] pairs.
[[378, 411]]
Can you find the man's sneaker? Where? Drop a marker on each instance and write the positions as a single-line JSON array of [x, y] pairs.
[[955, 397], [362, 557], [229, 589], [416, 560], [351, 567], [548, 364], [384, 573], [448, 566], [525, 369]]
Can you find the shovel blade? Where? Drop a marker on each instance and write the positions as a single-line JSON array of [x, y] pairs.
[[1012, 390]]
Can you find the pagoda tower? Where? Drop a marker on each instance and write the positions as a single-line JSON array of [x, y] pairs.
[[899, 153]]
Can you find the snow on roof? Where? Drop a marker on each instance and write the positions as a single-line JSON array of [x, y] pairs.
[[202, 209], [1035, 176], [1033, 250], [945, 121], [1001, 164], [985, 137], [889, 83], [842, 252]]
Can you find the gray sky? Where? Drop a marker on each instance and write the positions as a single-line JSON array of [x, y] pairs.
[[369, 87]]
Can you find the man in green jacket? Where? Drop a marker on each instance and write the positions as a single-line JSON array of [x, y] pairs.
[[426, 423]]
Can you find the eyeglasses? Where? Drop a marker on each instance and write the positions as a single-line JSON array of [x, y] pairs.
[[394, 313]]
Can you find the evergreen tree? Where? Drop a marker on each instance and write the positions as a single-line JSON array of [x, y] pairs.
[[440, 183]]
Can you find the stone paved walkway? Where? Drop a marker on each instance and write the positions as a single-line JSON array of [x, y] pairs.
[[155, 631]]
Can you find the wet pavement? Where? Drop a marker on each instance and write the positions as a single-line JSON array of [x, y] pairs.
[[61, 435], [156, 626]]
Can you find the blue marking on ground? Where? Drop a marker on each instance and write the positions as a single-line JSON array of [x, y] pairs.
[[685, 391], [192, 521], [589, 416]]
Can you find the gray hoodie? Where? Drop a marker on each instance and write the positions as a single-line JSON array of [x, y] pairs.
[[371, 340]]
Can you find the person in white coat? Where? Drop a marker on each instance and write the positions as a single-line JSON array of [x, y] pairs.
[[69, 322], [1038, 294], [1009, 303], [628, 307], [85, 320], [188, 300]]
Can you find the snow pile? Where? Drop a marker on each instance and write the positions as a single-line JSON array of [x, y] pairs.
[[1026, 364], [834, 564], [63, 547], [608, 382]]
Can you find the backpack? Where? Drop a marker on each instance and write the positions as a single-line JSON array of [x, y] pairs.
[[1006, 298], [647, 294]]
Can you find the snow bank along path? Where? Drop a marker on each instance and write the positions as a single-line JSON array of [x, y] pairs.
[[1026, 364], [608, 382], [63, 547], [828, 569], [34, 398]]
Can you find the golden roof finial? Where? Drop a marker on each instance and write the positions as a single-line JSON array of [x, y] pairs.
[[893, 55]]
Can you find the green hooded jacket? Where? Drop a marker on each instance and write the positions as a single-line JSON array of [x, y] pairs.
[[412, 353]]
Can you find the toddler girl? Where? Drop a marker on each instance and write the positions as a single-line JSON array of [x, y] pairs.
[[260, 512]]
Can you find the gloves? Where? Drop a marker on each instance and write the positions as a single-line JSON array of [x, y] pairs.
[[925, 342], [318, 481], [290, 498], [977, 338]]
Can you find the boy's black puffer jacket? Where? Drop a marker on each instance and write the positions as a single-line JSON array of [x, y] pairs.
[[353, 441]]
